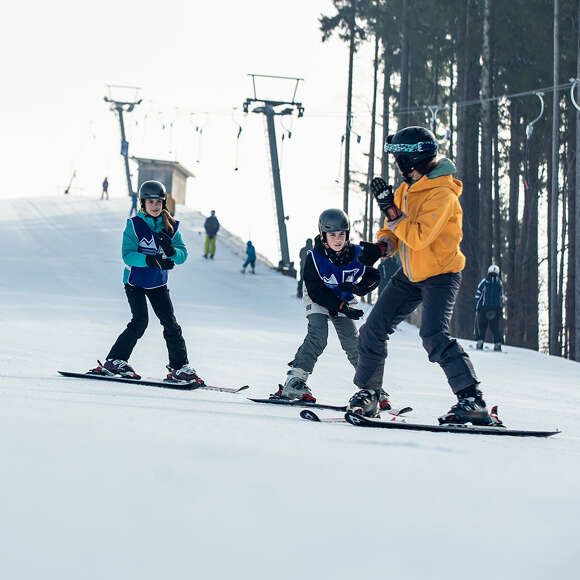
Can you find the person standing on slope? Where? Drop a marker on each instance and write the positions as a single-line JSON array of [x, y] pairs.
[[212, 227], [424, 224], [152, 245], [332, 276], [303, 254], [105, 192], [250, 258], [488, 305]]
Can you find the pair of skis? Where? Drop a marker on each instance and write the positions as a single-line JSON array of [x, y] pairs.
[[166, 383], [396, 423]]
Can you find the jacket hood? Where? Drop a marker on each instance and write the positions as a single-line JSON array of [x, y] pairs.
[[440, 176]]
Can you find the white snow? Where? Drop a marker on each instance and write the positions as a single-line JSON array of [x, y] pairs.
[[110, 481]]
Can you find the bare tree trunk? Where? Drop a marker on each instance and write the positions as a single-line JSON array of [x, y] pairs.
[[513, 271], [576, 196], [553, 198], [404, 90], [386, 114], [371, 169], [485, 204], [351, 50]]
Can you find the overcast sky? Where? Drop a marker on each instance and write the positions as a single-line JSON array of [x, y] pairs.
[[191, 61]]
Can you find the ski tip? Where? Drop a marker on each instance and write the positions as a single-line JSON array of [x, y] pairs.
[[309, 415], [243, 388], [404, 410], [354, 418]]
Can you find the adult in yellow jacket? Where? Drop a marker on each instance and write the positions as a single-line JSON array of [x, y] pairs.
[[423, 224]]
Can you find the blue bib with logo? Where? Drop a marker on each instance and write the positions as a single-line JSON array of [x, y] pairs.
[[333, 275], [149, 276]]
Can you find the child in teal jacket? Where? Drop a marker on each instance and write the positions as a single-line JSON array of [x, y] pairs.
[[152, 245]]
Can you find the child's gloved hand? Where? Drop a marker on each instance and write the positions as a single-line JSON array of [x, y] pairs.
[[164, 241], [158, 262], [372, 252], [349, 287], [352, 313]]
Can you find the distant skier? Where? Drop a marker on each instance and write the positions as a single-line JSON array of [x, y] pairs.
[[212, 227], [134, 209], [105, 192], [303, 254], [250, 258], [424, 224], [488, 305], [151, 246], [332, 276]]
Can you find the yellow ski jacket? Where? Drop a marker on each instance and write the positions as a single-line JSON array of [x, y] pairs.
[[428, 237]]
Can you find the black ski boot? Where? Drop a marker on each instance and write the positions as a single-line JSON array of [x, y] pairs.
[[365, 402], [470, 408]]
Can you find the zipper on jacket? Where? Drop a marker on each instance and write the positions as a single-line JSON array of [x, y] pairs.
[[406, 251]]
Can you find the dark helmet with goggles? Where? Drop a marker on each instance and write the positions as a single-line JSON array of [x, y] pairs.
[[412, 146]]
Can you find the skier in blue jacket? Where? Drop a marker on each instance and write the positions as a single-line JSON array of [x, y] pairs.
[[250, 258], [152, 245], [488, 306]]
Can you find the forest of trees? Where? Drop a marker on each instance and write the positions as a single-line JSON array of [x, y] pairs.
[[479, 73]]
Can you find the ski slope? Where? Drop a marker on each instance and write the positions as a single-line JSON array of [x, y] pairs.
[[111, 481]]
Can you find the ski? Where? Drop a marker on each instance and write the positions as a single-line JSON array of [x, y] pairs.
[[299, 403], [360, 421], [307, 405], [312, 416], [165, 384]]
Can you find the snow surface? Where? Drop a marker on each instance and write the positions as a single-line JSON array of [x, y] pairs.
[[128, 482]]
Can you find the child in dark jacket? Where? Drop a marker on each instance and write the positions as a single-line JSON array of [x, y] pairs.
[[332, 276], [488, 305], [250, 258]]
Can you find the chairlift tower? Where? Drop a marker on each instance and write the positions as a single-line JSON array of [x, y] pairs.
[[271, 108], [124, 107]]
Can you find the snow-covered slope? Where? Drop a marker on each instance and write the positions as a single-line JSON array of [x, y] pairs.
[[124, 482]]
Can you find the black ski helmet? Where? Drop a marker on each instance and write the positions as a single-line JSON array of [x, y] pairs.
[[333, 220], [411, 146], [152, 190]]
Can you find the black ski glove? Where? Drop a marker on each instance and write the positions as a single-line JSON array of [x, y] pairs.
[[372, 252], [158, 262], [352, 313], [383, 193], [349, 287], [164, 241]]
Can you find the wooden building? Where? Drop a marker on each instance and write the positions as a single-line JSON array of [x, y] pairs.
[[171, 173]]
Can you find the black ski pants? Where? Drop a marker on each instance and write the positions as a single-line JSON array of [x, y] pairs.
[[399, 298], [488, 317], [163, 308]]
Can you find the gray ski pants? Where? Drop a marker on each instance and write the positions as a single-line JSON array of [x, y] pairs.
[[317, 338], [399, 298]]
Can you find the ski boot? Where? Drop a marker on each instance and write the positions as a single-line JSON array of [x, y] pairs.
[[384, 403], [479, 345], [185, 374], [365, 402], [115, 367], [295, 387], [470, 408], [497, 347]]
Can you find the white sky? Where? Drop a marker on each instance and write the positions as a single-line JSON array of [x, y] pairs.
[[188, 57]]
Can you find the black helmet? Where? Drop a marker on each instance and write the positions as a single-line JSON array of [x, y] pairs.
[[152, 190], [411, 146], [333, 220]]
